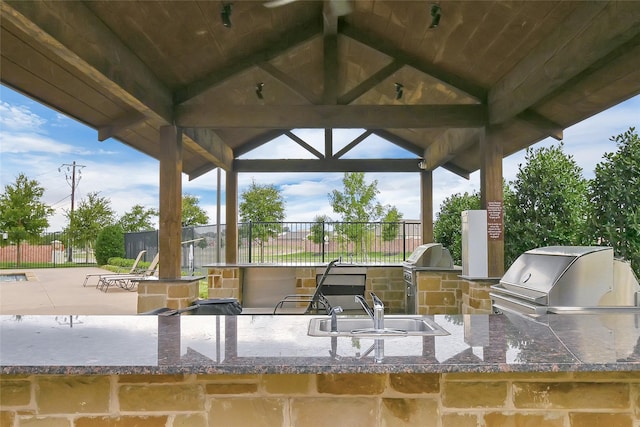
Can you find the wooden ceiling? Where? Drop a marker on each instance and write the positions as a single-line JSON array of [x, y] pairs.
[[521, 70]]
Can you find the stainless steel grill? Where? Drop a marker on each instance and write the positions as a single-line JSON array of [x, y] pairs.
[[430, 256], [566, 279]]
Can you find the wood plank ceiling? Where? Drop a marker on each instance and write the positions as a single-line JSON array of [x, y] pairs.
[[522, 70]]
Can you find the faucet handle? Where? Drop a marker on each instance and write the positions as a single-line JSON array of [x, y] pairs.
[[376, 301]]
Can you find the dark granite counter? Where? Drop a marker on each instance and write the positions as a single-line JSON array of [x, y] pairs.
[[279, 344]]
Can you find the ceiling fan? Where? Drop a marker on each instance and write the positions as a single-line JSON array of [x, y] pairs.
[[336, 7]]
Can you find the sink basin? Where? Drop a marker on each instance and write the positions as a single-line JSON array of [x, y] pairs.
[[394, 326]]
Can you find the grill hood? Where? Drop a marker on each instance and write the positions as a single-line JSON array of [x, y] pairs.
[[559, 277], [432, 255]]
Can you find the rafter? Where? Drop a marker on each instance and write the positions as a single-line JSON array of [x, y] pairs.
[[101, 58], [370, 83], [209, 145], [293, 39], [353, 144], [591, 33], [385, 47], [303, 144], [258, 141]]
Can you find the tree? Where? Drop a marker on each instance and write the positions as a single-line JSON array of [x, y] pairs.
[[192, 213], [318, 230], [447, 228], [109, 244], [358, 206], [548, 205], [89, 218], [138, 219], [22, 214], [390, 224], [263, 206], [614, 193]]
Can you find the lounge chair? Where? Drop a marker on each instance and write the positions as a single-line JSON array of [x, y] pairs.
[[128, 281], [134, 269], [314, 301]]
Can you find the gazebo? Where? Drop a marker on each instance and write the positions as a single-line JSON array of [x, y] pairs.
[[196, 84]]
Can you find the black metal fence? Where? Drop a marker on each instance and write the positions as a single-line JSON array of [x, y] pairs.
[[285, 243]]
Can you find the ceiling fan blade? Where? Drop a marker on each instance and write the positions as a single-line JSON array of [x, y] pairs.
[[277, 3]]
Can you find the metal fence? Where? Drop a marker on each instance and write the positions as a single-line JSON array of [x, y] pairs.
[[283, 243], [46, 250]]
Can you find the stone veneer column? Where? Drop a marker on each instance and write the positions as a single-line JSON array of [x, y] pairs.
[[475, 299], [172, 293], [439, 292], [225, 282]]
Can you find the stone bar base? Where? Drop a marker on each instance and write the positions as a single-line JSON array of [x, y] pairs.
[[172, 293], [476, 299], [552, 399], [225, 282]]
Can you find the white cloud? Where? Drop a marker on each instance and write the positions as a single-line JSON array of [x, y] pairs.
[[19, 117]]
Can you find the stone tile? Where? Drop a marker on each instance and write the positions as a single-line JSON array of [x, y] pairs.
[[368, 384], [409, 412], [585, 419], [258, 412], [122, 421], [162, 398], [474, 394], [190, 420], [287, 383], [77, 394], [500, 419], [15, 392], [332, 412], [415, 383], [460, 420], [44, 422], [585, 395]]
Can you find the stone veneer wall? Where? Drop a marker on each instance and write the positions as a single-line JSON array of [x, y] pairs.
[[176, 294], [354, 400], [225, 282], [439, 292], [386, 282]]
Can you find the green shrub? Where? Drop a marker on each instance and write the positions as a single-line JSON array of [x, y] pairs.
[[110, 243]]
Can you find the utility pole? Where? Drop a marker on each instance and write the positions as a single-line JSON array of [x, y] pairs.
[[70, 176]]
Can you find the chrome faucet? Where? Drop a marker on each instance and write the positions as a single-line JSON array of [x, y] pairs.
[[334, 318], [376, 313]]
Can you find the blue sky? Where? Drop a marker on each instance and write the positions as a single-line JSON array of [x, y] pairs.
[[37, 141]]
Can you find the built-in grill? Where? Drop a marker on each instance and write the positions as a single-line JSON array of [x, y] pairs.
[[567, 279], [430, 256]]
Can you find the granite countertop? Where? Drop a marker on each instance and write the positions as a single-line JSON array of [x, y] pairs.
[[251, 344]]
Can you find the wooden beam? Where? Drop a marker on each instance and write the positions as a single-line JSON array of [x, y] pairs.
[[370, 83], [400, 142], [542, 123], [353, 144], [447, 146], [170, 218], [98, 55], [331, 116], [491, 199], [384, 46], [463, 173], [294, 38], [426, 205], [258, 141], [288, 81], [231, 209], [122, 123], [327, 165], [303, 144], [210, 146], [590, 33]]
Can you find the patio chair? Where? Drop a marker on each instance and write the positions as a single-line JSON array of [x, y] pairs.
[[128, 281], [134, 269], [314, 301]]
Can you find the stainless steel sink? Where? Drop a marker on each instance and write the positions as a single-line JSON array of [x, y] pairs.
[[394, 326]]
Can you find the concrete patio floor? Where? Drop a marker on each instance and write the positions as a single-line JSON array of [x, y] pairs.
[[60, 291]]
